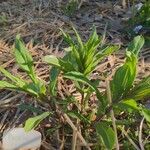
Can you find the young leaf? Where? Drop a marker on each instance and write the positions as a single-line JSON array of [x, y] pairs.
[[129, 105], [136, 45], [124, 77], [52, 60], [32, 123], [93, 40], [13, 78], [107, 135], [66, 65], [59, 63], [78, 39], [5, 84], [101, 54], [146, 114], [38, 90], [67, 38], [140, 90], [23, 57], [53, 80], [79, 77], [105, 52]]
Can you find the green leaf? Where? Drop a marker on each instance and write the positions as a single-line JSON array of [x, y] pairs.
[[136, 45], [53, 80], [101, 54], [5, 84], [129, 105], [23, 58], [32, 123], [78, 39], [67, 38], [90, 52], [106, 51], [52, 60], [64, 65], [19, 82], [79, 77], [107, 135], [94, 39], [76, 59], [146, 114], [124, 77], [77, 115], [141, 90], [38, 89]]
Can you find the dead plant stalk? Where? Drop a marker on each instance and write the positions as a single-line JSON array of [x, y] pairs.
[[76, 130]]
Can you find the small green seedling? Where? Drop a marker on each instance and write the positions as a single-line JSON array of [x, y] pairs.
[[70, 8], [80, 57], [36, 86]]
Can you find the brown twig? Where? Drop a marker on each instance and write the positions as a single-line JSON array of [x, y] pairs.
[[74, 140], [130, 140], [76, 130]]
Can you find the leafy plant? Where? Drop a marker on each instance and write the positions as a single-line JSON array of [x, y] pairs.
[[142, 16], [78, 64], [123, 92], [80, 57], [139, 23], [3, 19], [122, 88], [70, 8], [124, 77], [36, 86]]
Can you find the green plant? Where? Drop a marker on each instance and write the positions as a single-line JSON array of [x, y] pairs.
[[70, 8], [122, 95], [122, 89], [80, 57], [36, 86], [78, 64], [139, 23], [3, 19], [142, 16]]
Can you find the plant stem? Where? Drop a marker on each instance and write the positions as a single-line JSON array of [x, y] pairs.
[[140, 135], [112, 113], [76, 130], [131, 141]]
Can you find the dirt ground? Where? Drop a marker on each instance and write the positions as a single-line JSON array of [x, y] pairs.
[[38, 22]]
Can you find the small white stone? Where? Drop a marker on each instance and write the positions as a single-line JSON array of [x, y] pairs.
[[17, 138], [138, 6], [137, 29]]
